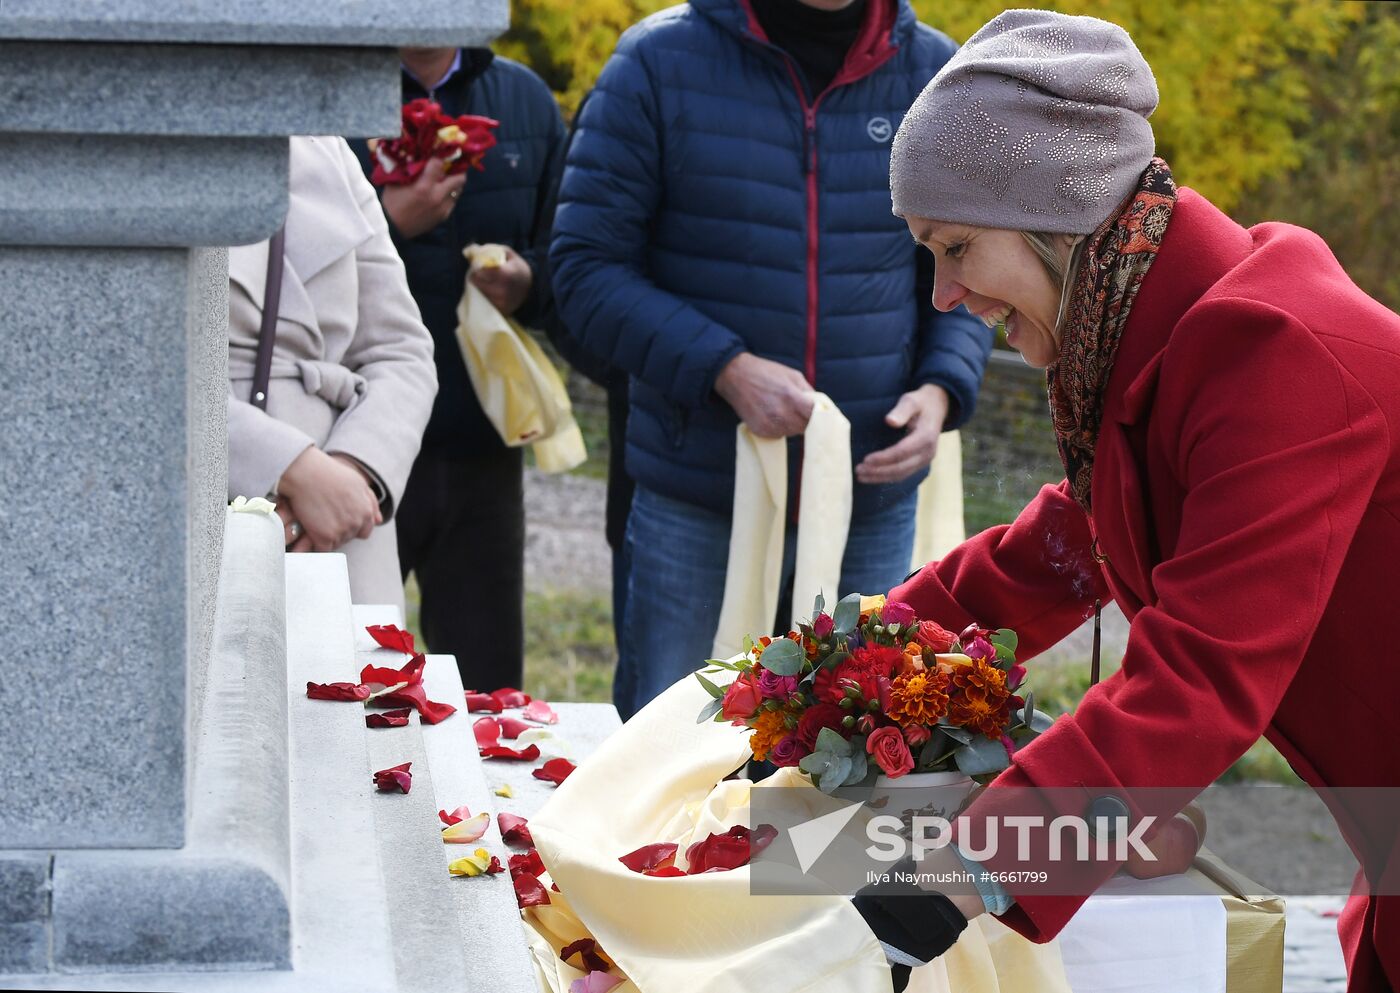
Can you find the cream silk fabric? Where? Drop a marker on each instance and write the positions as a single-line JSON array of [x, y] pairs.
[[515, 382], [939, 526], [760, 525], [661, 778]]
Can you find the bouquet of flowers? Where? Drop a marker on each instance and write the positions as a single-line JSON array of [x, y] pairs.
[[460, 142], [869, 681]]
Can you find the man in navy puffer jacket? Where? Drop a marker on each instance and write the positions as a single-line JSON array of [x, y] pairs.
[[724, 235]]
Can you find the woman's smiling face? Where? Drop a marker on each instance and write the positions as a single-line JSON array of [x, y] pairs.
[[999, 277]]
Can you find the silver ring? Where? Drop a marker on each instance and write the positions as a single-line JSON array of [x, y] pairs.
[[294, 529], [455, 194]]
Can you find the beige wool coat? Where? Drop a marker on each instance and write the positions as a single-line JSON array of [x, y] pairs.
[[352, 371]]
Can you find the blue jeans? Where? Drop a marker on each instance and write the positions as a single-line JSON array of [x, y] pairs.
[[679, 555]]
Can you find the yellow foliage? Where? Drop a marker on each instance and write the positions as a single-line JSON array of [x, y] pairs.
[[1234, 77]]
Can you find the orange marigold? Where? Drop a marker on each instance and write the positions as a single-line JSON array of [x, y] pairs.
[[918, 697], [768, 729], [980, 698]]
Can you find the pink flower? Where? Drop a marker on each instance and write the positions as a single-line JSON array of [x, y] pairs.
[[934, 637], [891, 753], [822, 626], [742, 698], [865, 723], [917, 735], [980, 648], [897, 612], [1015, 676], [788, 751], [775, 687]]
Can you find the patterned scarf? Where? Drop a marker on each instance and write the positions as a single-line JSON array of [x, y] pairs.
[[1114, 261]]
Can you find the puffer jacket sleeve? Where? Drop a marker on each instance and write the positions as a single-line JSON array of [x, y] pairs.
[[611, 188], [953, 348], [392, 350]]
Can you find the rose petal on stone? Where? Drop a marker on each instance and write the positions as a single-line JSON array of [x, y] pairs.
[[509, 696], [518, 754], [529, 863], [554, 771], [551, 745], [464, 832], [458, 815], [337, 691], [388, 719], [540, 712], [587, 951], [411, 673], [594, 982], [487, 731], [530, 892], [515, 830], [479, 702], [394, 778], [650, 857], [504, 790], [478, 863], [391, 636], [513, 727], [415, 696]]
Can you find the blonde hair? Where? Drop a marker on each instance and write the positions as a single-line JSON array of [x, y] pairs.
[[1061, 273]]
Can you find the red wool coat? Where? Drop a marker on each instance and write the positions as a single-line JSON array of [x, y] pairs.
[[1246, 498]]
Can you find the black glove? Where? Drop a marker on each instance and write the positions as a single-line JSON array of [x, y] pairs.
[[919, 924]]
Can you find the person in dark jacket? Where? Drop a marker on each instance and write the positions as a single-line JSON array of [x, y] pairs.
[[462, 519], [723, 234]]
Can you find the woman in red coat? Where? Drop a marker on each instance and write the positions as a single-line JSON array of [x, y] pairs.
[[1227, 407]]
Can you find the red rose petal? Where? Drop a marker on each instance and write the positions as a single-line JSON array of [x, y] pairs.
[[730, 850], [494, 866], [515, 830], [666, 871], [388, 719], [530, 892], [487, 732], [415, 696], [527, 754], [529, 863], [390, 636], [394, 778], [554, 771], [587, 950], [512, 727], [650, 857], [509, 696], [411, 673], [336, 691], [479, 702], [540, 712], [456, 817]]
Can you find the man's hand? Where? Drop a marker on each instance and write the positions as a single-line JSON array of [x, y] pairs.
[[921, 413], [505, 285], [426, 202], [774, 400], [333, 501]]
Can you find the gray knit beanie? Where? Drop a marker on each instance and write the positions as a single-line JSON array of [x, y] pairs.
[[1038, 123]]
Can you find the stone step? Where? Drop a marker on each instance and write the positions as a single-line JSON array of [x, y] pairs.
[[488, 928]]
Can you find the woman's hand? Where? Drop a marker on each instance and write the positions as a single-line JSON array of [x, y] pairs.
[[333, 501]]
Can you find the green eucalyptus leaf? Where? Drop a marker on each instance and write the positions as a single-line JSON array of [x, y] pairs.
[[836, 773], [1006, 655], [960, 735], [748, 644], [1005, 636], [710, 687], [847, 614], [982, 757], [859, 766], [1028, 711], [783, 657], [829, 741], [709, 711]]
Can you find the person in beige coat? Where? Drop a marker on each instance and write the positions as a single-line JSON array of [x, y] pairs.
[[352, 379]]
